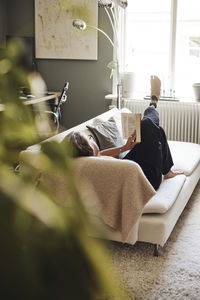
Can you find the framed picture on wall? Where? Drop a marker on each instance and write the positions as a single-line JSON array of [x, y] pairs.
[[56, 38]]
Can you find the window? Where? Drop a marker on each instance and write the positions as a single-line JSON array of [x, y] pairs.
[[161, 38]]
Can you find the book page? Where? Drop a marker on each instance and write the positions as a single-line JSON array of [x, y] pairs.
[[130, 123]]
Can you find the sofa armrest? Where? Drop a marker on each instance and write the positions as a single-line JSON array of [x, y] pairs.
[[120, 186]]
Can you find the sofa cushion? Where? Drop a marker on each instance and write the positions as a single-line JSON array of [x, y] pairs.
[[165, 196], [186, 156], [115, 114], [107, 134]]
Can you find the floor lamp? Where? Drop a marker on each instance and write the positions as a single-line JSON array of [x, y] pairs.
[[111, 9]]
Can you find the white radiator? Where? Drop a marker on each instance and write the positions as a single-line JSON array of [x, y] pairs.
[[180, 120]]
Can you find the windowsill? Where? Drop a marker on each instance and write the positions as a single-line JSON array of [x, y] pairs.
[[182, 99]]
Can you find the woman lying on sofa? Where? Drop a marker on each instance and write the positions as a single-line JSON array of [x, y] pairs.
[[152, 154]]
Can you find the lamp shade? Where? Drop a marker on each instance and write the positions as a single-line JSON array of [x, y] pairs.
[[79, 24], [105, 3], [110, 3], [122, 3]]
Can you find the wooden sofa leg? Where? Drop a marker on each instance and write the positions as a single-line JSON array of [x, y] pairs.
[[156, 246]]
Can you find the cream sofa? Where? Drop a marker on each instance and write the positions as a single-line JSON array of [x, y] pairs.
[[157, 215]]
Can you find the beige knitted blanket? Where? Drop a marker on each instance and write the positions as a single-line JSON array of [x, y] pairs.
[[120, 186]]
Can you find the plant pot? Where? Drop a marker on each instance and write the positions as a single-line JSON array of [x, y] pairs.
[[196, 89]]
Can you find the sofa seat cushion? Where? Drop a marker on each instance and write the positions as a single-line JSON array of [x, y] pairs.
[[186, 156], [165, 196]]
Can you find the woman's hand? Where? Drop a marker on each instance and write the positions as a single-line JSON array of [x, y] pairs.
[[114, 152], [130, 142]]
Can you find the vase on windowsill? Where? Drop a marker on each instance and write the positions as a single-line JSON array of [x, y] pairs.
[[196, 89], [128, 80]]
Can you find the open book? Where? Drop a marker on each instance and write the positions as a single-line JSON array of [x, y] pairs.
[[130, 123]]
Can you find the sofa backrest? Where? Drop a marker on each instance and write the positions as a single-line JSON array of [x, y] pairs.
[[114, 112]]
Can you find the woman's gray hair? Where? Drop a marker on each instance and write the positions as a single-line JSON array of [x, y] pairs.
[[80, 144]]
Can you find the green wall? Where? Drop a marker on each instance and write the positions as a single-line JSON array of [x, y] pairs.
[[89, 80], [2, 20]]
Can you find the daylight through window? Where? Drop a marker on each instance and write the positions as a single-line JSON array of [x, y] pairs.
[[162, 37]]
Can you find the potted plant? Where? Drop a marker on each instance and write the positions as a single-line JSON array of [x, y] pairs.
[[45, 250]]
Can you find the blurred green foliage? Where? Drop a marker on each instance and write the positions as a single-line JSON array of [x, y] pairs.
[[112, 65], [45, 250]]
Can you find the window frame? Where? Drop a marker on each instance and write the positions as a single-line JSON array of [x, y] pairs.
[[172, 43]]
